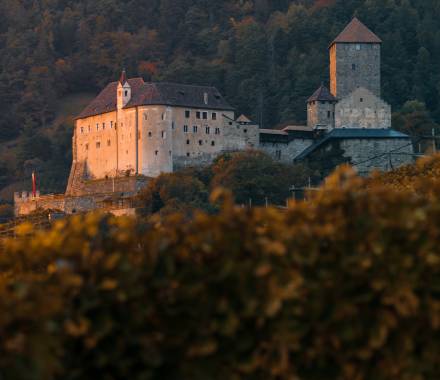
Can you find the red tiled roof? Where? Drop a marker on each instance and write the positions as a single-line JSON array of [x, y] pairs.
[[356, 32], [322, 94], [169, 94]]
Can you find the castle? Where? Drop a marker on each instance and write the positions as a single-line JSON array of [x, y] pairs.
[[136, 130]]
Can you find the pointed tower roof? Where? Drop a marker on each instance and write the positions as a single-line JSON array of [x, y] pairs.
[[322, 94], [123, 78], [356, 32]]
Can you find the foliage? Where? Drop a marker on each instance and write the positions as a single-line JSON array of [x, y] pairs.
[[251, 176], [342, 287], [6, 213]]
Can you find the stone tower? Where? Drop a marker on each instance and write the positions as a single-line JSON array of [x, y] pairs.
[[321, 109], [123, 91], [355, 61]]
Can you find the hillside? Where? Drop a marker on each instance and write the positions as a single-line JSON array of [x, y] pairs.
[[265, 56]]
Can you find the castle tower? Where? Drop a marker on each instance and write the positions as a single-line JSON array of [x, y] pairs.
[[355, 61], [321, 109], [123, 91]]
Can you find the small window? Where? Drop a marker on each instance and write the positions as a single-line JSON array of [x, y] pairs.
[[98, 145], [245, 130], [172, 125], [156, 152], [150, 134], [353, 67], [230, 123], [164, 135], [103, 126], [126, 93], [207, 130], [89, 128], [200, 142], [163, 116], [187, 155], [87, 146], [328, 114], [185, 129], [217, 131], [212, 143], [198, 115], [195, 128], [97, 126], [111, 124], [187, 114], [187, 142], [361, 100], [145, 116], [109, 143], [214, 116], [82, 130], [205, 115]]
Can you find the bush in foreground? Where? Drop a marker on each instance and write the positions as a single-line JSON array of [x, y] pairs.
[[345, 286]]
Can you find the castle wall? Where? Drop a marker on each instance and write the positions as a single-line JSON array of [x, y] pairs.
[[353, 66], [362, 109], [126, 142], [283, 152], [360, 151], [95, 140]]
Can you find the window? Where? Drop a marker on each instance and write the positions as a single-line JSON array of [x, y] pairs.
[[205, 115], [156, 152], [145, 116], [217, 131], [126, 93], [200, 142], [214, 116], [150, 134], [172, 125], [187, 114], [207, 130], [328, 114], [185, 129], [103, 126], [353, 67], [109, 143], [230, 123], [187, 142], [163, 116], [89, 128], [164, 135], [98, 145], [187, 155], [111, 124], [212, 143], [245, 130], [195, 128], [198, 115], [97, 126], [170, 153], [361, 100], [82, 130], [87, 146]]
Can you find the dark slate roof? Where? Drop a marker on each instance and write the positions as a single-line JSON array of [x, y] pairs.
[[353, 133], [322, 94], [286, 135], [169, 94], [356, 32]]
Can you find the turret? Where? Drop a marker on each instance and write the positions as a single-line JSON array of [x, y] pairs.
[[321, 109], [123, 91]]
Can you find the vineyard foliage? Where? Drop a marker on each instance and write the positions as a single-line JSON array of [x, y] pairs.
[[344, 286]]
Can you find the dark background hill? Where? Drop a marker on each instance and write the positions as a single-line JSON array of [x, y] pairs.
[[265, 56]]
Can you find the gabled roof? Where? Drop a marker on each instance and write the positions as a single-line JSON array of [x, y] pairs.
[[167, 94], [353, 133], [357, 32], [322, 94]]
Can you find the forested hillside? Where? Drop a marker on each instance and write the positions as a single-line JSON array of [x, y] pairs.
[[265, 56]]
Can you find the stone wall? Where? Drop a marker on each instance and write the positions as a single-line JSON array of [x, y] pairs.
[[362, 109], [321, 113], [286, 152], [353, 66], [361, 151]]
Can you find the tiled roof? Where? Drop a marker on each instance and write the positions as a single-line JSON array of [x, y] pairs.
[[354, 133], [169, 94], [322, 94], [356, 32]]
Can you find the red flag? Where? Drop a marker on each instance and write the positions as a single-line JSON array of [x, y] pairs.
[[34, 184]]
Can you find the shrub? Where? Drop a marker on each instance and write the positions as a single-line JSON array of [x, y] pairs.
[[344, 286]]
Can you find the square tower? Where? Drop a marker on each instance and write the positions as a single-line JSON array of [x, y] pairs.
[[355, 61], [321, 109]]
